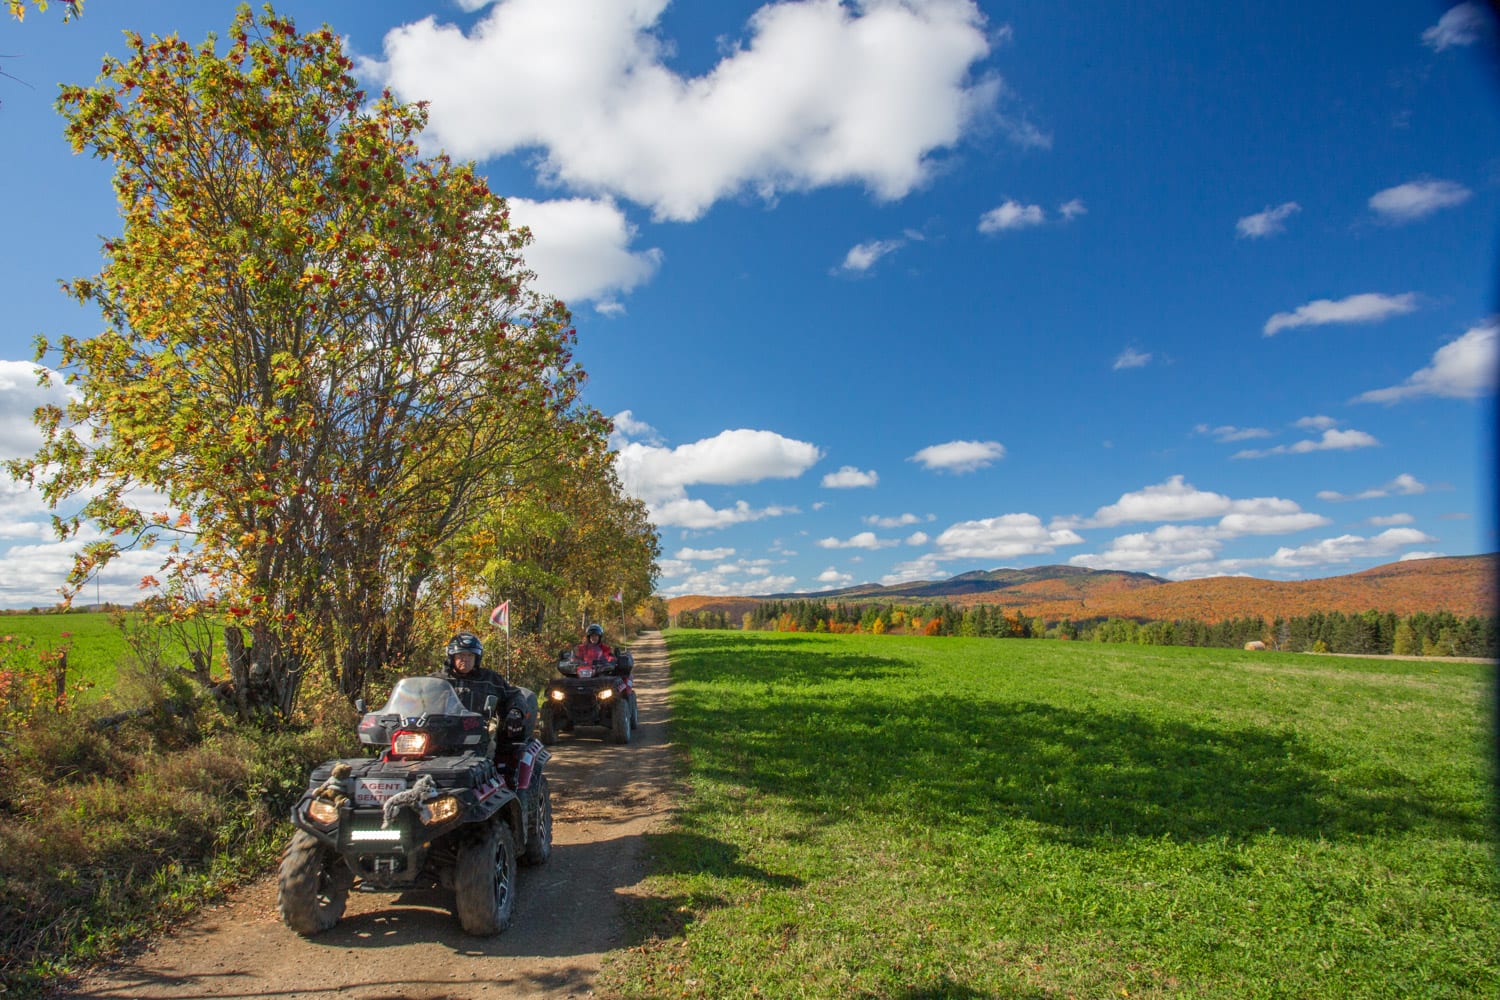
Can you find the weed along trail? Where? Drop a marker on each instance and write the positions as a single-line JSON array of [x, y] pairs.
[[606, 798]]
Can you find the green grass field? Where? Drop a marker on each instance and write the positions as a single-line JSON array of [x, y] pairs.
[[878, 816], [96, 648]]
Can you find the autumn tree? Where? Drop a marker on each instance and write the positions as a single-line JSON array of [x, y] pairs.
[[321, 353]]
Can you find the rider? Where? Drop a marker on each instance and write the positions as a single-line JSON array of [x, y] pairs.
[[474, 684], [593, 649]]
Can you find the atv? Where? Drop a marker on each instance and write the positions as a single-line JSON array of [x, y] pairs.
[[451, 800], [590, 694]]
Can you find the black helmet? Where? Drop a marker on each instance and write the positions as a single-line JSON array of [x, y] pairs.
[[465, 642], [594, 629]]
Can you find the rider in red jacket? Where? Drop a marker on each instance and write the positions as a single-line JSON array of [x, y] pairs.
[[593, 649]]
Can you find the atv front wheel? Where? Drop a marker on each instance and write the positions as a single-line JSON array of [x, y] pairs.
[[312, 886], [484, 881], [620, 722], [539, 831], [635, 713], [549, 726]]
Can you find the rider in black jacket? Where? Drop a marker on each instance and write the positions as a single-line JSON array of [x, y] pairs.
[[474, 685]]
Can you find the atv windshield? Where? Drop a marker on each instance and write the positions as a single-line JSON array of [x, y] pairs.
[[416, 696]]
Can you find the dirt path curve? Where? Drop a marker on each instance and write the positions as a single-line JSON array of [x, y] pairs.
[[568, 911]]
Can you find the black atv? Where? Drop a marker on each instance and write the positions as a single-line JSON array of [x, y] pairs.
[[452, 800], [590, 694]]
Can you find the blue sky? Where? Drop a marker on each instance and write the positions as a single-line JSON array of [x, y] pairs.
[[900, 289]]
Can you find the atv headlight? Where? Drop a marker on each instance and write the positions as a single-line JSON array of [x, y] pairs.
[[558, 694], [409, 744], [323, 812], [441, 809], [606, 693]]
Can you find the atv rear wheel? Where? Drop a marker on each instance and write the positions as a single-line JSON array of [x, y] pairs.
[[620, 722], [539, 832], [484, 881], [312, 886], [549, 726], [635, 713]]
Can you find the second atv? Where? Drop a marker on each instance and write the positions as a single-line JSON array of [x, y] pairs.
[[589, 694]]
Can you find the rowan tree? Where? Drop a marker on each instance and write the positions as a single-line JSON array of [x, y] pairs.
[[321, 349]]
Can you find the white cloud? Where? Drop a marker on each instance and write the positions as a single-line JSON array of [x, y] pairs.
[[1267, 223], [1418, 199], [925, 568], [20, 395], [817, 94], [849, 477], [628, 428], [1409, 556], [1404, 485], [1461, 369], [959, 456], [709, 555], [1370, 307], [1332, 440], [701, 516], [1318, 422], [863, 540], [1460, 25], [1011, 215], [1392, 520], [1281, 523], [1131, 358], [1172, 500], [1003, 537], [1228, 435], [834, 577], [659, 475], [1345, 548], [901, 521], [581, 249], [862, 256], [918, 538], [1140, 552], [1071, 210]]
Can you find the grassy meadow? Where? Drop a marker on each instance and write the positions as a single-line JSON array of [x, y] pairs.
[[96, 646], [881, 816]]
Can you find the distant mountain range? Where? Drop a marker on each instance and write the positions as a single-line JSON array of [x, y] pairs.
[[1463, 585]]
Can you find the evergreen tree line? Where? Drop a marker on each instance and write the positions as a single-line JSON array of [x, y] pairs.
[[1438, 633]]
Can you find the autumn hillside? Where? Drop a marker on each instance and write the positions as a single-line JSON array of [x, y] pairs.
[[1463, 585]]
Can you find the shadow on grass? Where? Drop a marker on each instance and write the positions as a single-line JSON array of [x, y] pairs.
[[1081, 775], [684, 853]]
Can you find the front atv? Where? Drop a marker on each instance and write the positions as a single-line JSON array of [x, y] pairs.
[[437, 807], [587, 694]]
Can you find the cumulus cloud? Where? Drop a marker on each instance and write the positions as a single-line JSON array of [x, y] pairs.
[[848, 477], [959, 456], [1370, 307], [20, 395], [834, 578], [1267, 223], [1011, 215], [1332, 440], [1463, 24], [1227, 434], [1131, 358], [709, 555], [1003, 537], [654, 473], [1317, 422], [627, 428], [1391, 520], [816, 94], [918, 538], [900, 521], [863, 540], [1404, 485], [1461, 369], [580, 249], [1409, 556], [1071, 210], [1418, 199], [1172, 500], [925, 568], [863, 256]]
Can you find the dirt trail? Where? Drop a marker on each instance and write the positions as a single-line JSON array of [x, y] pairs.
[[568, 911]]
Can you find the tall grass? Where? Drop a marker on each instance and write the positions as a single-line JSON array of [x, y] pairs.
[[905, 817]]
